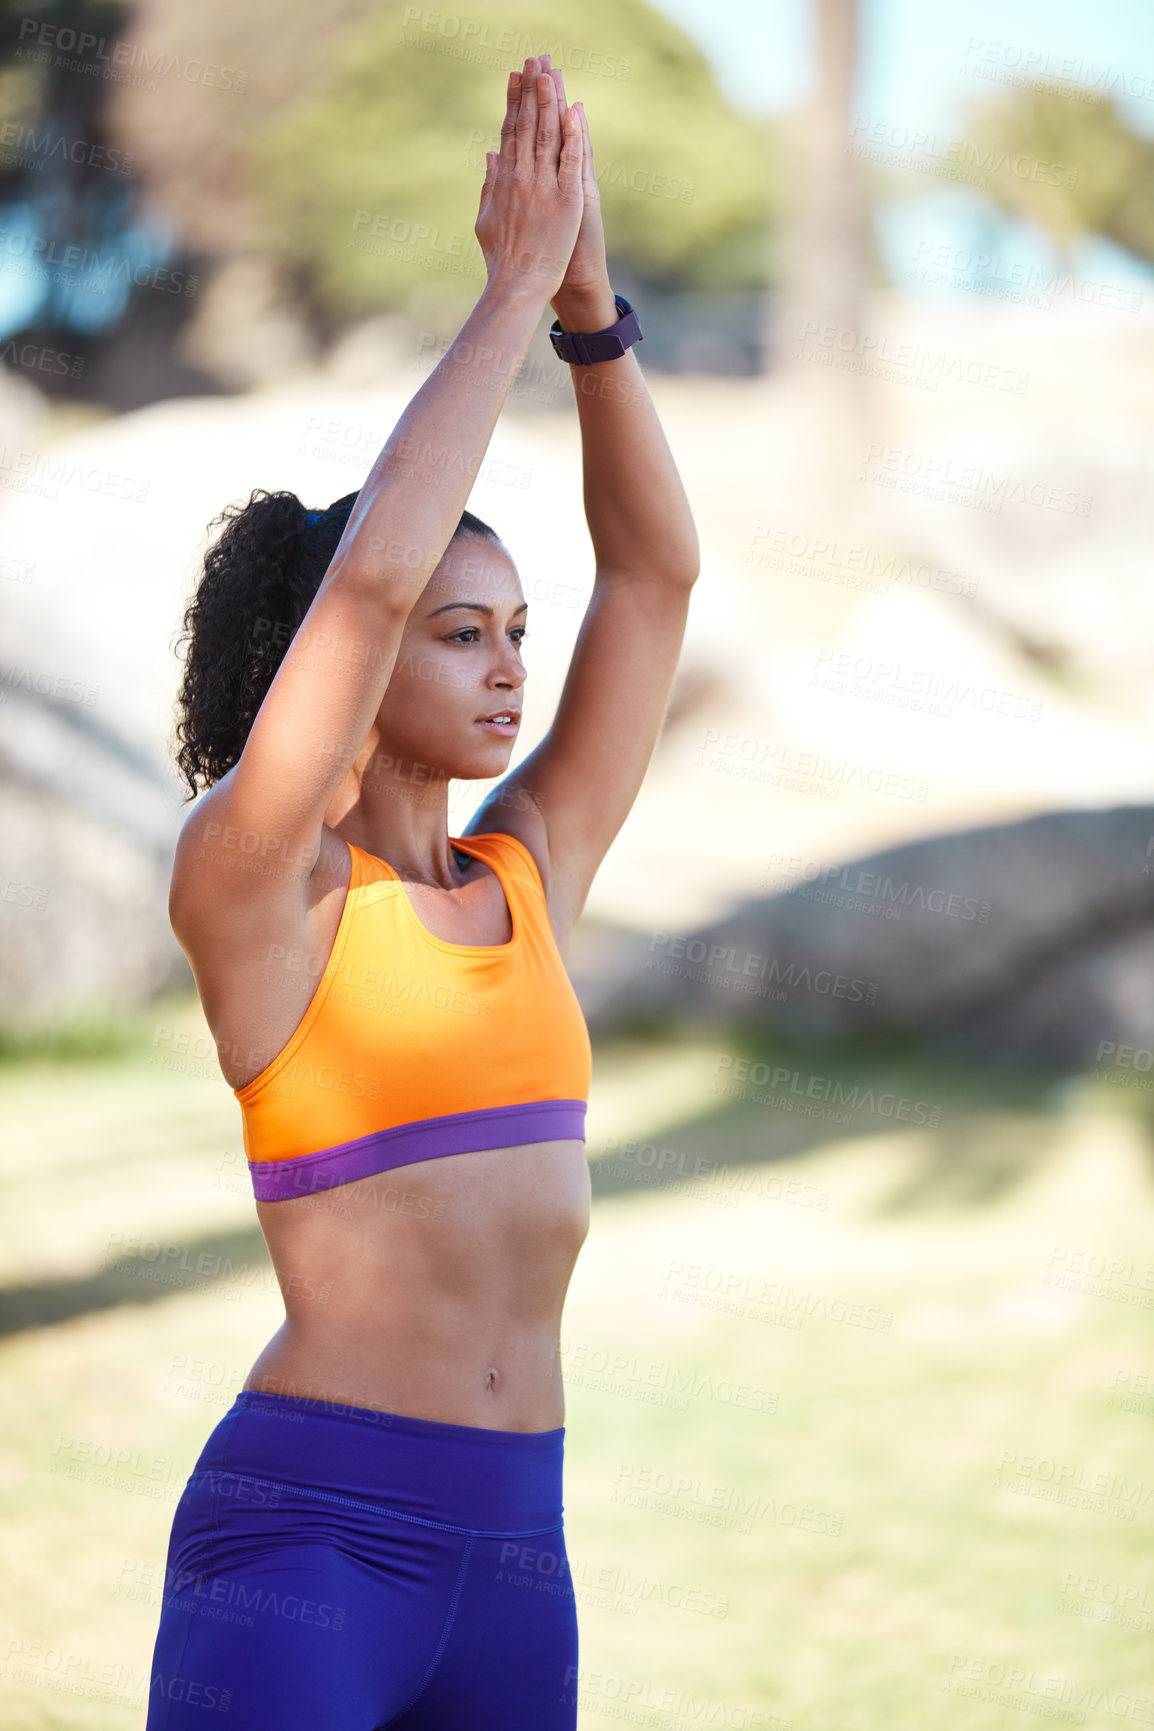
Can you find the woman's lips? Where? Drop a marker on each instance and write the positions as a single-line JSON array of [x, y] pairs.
[[505, 728]]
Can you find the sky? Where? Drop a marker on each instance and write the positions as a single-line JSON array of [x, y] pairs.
[[919, 58]]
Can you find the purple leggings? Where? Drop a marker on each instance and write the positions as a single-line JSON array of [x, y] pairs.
[[332, 1568]]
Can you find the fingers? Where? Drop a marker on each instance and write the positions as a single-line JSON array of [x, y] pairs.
[[548, 123], [491, 161], [508, 154], [588, 169], [562, 104], [526, 125], [556, 75], [569, 170]]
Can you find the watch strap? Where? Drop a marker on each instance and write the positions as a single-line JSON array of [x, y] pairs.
[[585, 348]]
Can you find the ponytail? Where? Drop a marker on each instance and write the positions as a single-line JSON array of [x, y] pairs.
[[260, 578]]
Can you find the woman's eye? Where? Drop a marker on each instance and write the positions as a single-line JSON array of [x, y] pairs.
[[471, 634]]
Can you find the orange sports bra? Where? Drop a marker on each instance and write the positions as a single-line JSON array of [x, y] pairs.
[[412, 1048]]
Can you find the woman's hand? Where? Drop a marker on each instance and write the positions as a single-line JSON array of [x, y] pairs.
[[587, 276], [532, 201]]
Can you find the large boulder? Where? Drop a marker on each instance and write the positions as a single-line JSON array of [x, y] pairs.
[[90, 821], [1033, 938]]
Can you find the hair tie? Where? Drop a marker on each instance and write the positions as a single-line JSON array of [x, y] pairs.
[[313, 516]]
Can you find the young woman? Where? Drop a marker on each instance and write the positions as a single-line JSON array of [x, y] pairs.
[[373, 1533]]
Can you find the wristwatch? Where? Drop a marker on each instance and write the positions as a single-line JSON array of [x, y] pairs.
[[582, 349]]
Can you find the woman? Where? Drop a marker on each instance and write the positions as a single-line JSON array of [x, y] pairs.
[[373, 1533]]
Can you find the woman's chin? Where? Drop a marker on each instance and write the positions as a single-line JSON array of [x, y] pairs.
[[491, 760]]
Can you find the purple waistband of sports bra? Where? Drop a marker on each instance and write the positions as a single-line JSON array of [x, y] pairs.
[[424, 1139]]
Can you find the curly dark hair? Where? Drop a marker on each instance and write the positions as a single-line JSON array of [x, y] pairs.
[[260, 577]]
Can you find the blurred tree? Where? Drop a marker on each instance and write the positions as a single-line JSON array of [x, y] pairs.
[[389, 110], [59, 179], [825, 247], [1068, 163]]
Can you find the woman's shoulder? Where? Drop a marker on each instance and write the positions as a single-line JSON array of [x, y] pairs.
[[518, 828]]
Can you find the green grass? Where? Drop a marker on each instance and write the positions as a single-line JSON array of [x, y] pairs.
[[820, 1386]]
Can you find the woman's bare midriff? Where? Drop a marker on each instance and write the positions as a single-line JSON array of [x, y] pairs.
[[434, 1290]]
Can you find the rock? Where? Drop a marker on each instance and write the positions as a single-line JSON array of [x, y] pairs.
[[1034, 938], [90, 823]]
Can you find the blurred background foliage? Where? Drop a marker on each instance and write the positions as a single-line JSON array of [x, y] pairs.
[[255, 139], [250, 176], [383, 115], [685, 180], [1068, 162]]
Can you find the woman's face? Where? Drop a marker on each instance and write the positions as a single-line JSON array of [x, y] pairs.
[[459, 663]]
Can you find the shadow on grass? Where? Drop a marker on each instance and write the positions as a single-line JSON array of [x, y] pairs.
[[976, 1127], [230, 1261]]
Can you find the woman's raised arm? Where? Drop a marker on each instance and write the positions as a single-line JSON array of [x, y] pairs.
[[573, 792], [327, 690]]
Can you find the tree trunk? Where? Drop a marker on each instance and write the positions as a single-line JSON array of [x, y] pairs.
[[824, 262]]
